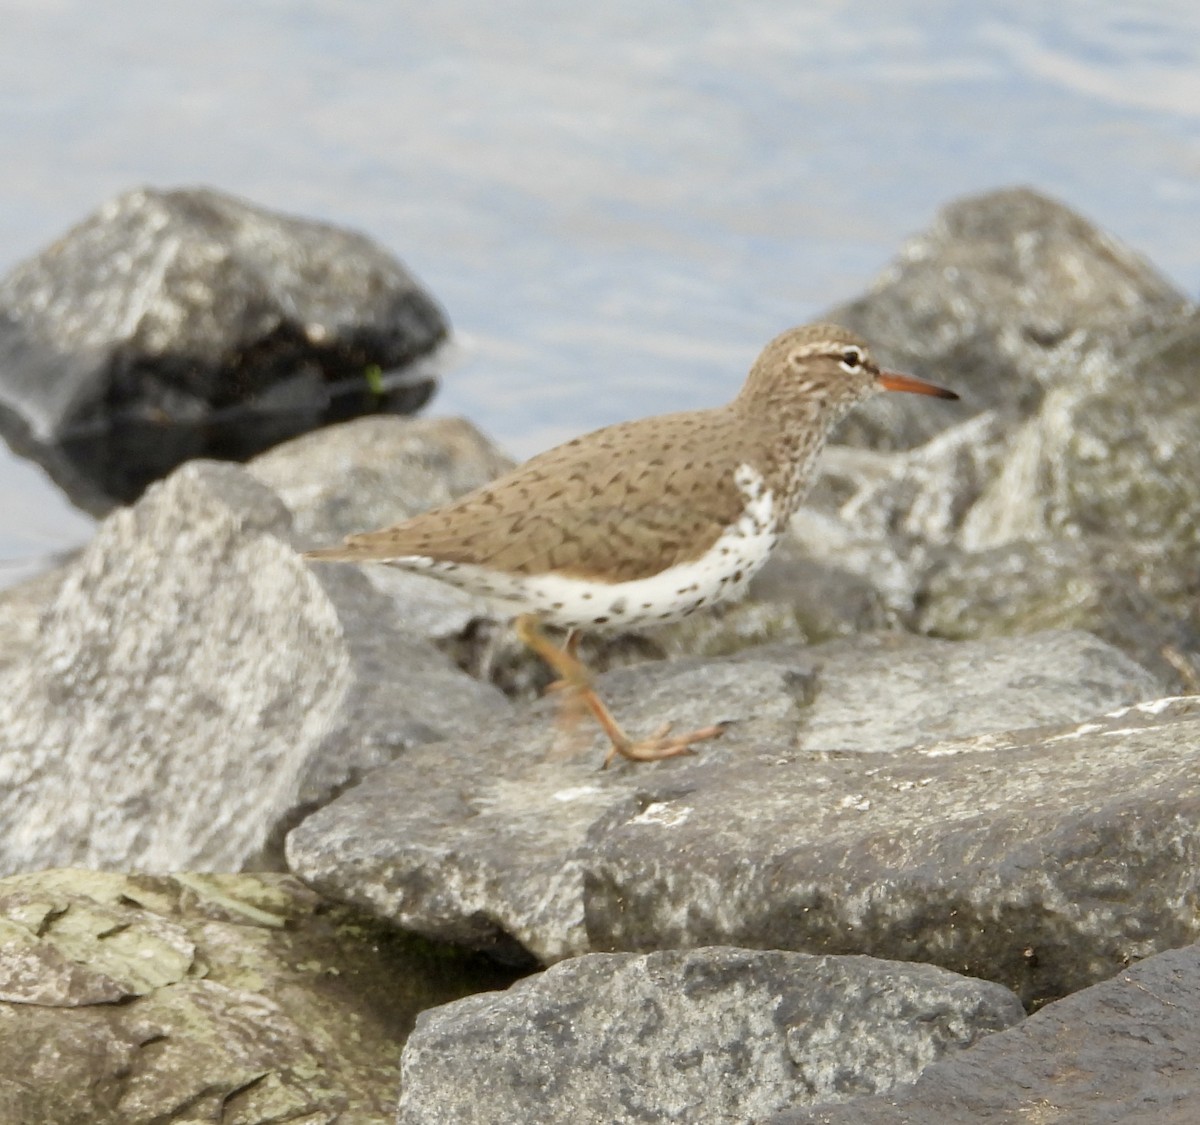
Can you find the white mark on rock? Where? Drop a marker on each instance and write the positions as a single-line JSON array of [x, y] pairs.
[[659, 812], [575, 793]]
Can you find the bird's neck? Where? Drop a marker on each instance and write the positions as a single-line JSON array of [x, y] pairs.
[[787, 443]]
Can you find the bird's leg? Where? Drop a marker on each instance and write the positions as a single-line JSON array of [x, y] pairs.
[[572, 708], [575, 676]]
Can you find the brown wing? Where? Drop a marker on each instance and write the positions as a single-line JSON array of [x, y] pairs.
[[624, 502]]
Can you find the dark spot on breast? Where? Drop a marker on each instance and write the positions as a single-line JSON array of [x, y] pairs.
[[600, 620]]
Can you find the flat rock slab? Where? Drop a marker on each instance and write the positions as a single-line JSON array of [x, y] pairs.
[[1119, 1053], [194, 688], [1043, 859], [135, 1000], [712, 1035]]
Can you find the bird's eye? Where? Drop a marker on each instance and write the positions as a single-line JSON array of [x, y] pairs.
[[852, 360]]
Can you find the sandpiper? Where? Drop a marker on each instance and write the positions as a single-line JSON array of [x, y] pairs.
[[644, 522]]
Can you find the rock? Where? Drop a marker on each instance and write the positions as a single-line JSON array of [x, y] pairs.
[[1026, 586], [195, 687], [982, 533], [885, 693], [713, 1035], [1023, 858], [998, 300], [187, 323], [21, 609], [376, 471], [1113, 456], [1121, 1051], [135, 999]]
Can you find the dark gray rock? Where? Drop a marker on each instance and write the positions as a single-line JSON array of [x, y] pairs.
[[712, 1035], [134, 1000], [194, 687], [188, 323], [1119, 1053], [1009, 856], [997, 300]]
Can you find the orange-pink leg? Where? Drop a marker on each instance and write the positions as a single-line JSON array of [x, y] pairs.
[[573, 675]]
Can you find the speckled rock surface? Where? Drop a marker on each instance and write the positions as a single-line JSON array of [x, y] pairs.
[[1120, 1053], [375, 471], [964, 853], [716, 1035], [996, 299], [194, 687], [134, 1000]]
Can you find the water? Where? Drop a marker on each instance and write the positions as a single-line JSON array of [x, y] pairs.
[[617, 204]]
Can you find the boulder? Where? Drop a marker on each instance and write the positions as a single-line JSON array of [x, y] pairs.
[[187, 323], [855, 804], [1000, 299], [713, 1035], [194, 687], [1121, 1051]]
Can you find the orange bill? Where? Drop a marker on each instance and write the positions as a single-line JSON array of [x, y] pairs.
[[894, 381]]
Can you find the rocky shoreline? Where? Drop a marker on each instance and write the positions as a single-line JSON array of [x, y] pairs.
[[296, 845]]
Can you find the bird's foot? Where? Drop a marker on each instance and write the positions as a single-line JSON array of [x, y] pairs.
[[661, 744]]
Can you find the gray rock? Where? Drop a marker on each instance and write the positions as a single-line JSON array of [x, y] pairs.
[[1112, 456], [888, 692], [1043, 859], [376, 471], [964, 853], [997, 300], [712, 1035], [1120, 1052], [1076, 583], [195, 687], [21, 609], [188, 323], [133, 1000]]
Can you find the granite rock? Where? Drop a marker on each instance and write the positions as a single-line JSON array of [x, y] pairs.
[[999, 299], [195, 687], [824, 820], [1119, 1053], [713, 1035]]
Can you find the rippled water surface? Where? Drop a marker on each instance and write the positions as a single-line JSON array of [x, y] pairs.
[[619, 204]]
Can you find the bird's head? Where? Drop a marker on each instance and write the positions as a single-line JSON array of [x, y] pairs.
[[820, 371]]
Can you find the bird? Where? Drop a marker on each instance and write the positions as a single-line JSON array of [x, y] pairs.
[[643, 522]]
